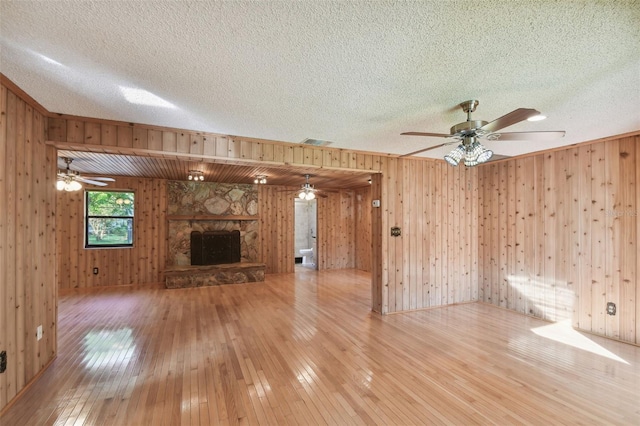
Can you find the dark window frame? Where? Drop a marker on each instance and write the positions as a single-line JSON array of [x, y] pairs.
[[87, 216]]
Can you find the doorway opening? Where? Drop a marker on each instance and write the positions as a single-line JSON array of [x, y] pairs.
[[306, 227]]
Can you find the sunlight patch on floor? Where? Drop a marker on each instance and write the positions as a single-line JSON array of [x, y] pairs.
[[563, 332], [108, 348]]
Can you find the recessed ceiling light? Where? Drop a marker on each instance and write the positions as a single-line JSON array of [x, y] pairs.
[[538, 117]]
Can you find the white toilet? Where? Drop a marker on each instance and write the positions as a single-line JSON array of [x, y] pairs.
[[307, 256]]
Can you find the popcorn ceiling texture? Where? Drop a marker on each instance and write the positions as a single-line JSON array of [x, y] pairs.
[[357, 73]]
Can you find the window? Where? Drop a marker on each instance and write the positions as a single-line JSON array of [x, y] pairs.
[[108, 219]]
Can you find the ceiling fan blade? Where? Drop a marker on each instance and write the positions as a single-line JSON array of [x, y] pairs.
[[529, 136], [437, 135], [509, 119], [106, 179], [92, 182], [427, 149]]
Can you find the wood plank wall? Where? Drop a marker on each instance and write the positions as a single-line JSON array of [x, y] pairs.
[[336, 231], [277, 226], [363, 230], [142, 264], [434, 262], [559, 236], [378, 239], [125, 138], [28, 294], [413, 271], [95, 135]]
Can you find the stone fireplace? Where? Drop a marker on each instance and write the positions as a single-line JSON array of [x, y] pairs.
[[207, 207], [212, 234]]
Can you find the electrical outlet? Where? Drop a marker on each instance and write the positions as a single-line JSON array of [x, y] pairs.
[[3, 361], [95, 271], [39, 332], [611, 308]]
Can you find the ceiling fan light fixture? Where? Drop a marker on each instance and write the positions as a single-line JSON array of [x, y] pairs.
[[306, 195], [471, 156], [68, 185], [307, 192], [476, 153], [456, 155], [485, 155], [196, 175], [74, 185], [470, 162]]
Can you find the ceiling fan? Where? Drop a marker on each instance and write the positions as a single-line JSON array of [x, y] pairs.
[[69, 180], [309, 192], [468, 134]]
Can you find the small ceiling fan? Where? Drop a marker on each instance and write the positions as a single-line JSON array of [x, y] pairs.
[[308, 191], [468, 134], [69, 180]]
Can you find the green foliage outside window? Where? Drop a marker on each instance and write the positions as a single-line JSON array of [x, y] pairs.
[[109, 219]]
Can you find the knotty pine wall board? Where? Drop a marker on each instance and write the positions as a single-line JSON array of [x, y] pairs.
[[433, 262], [362, 237], [28, 293], [141, 264], [573, 245]]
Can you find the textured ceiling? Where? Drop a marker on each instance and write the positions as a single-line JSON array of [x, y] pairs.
[[357, 73]]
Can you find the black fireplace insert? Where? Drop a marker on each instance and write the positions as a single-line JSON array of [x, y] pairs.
[[215, 247]]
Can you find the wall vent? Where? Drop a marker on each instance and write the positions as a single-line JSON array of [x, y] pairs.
[[315, 142]]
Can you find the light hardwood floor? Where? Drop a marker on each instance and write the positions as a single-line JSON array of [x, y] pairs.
[[304, 348]]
